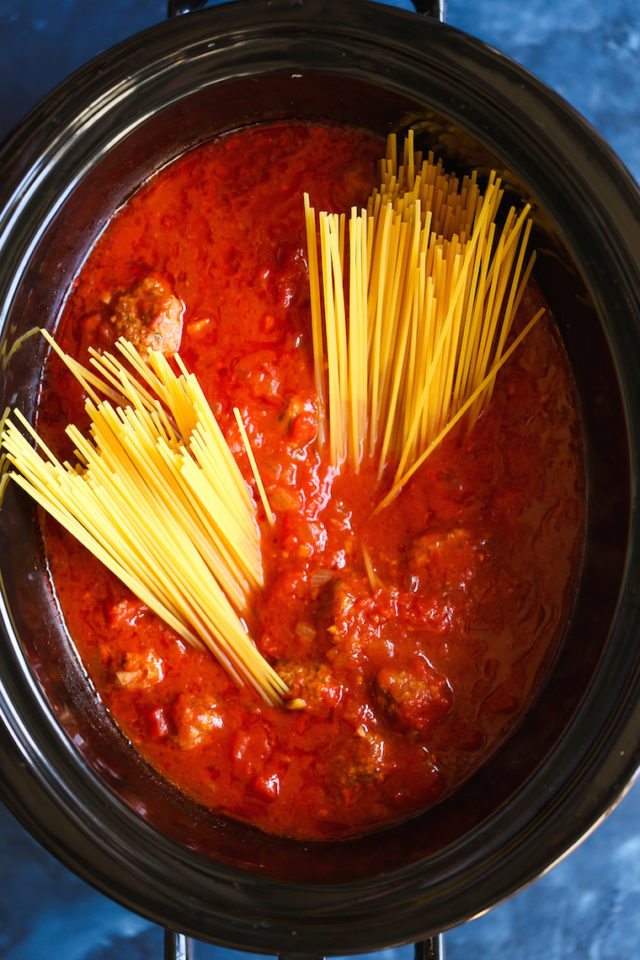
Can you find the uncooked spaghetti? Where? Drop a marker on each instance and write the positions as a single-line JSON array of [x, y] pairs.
[[412, 641], [412, 330], [432, 287], [157, 496]]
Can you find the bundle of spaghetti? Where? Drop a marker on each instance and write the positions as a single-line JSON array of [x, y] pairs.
[[432, 286], [157, 496], [450, 206]]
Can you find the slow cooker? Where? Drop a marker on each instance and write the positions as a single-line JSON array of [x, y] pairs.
[[67, 772]]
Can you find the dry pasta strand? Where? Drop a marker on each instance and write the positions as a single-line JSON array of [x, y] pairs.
[[412, 310], [157, 496]]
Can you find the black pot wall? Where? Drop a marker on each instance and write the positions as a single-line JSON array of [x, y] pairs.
[[66, 771]]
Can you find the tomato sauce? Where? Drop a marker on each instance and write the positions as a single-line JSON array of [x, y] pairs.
[[409, 684]]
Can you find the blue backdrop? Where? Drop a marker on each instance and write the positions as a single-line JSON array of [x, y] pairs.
[[589, 905]]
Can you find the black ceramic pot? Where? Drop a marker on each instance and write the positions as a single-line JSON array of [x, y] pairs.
[[64, 768]]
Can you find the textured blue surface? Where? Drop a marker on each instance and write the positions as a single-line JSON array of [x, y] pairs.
[[589, 905]]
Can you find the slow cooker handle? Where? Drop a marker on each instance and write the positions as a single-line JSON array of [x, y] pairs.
[[430, 8], [430, 949], [178, 947]]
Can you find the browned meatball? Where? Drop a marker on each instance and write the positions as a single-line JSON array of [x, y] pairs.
[[194, 720], [445, 560], [150, 316], [410, 701], [139, 671], [361, 760], [311, 682]]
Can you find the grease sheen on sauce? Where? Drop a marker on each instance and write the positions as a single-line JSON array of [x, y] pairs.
[[408, 687]]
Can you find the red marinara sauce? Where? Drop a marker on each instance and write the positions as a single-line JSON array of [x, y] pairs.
[[408, 686]]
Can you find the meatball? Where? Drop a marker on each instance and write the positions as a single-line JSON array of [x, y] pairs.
[[139, 671], [150, 316], [194, 719], [311, 682], [124, 613], [412, 700], [361, 760], [445, 560]]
